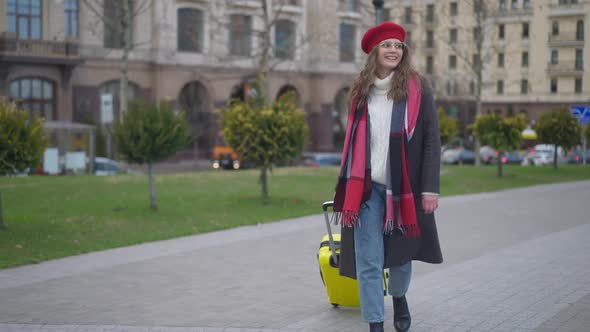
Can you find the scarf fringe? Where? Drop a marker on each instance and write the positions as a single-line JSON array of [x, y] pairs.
[[410, 231], [347, 218]]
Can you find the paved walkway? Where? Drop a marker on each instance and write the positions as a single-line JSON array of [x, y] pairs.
[[515, 260]]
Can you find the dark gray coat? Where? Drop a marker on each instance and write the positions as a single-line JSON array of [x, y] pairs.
[[423, 152]]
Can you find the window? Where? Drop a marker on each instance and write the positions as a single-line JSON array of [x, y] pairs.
[[113, 88], [289, 2], [408, 15], [71, 18], [24, 18], [554, 57], [348, 5], [453, 36], [500, 59], [579, 59], [524, 87], [409, 38], [526, 4], [553, 85], [454, 9], [347, 42], [578, 84], [240, 35], [525, 59], [429, 64], [430, 13], [429, 39], [285, 39], [114, 33], [500, 87], [476, 61], [555, 28], [501, 31], [476, 6], [452, 61], [476, 33], [514, 4], [35, 95], [525, 30], [472, 88], [502, 5], [190, 30], [580, 30]]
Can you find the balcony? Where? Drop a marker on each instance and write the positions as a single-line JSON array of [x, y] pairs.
[[38, 51], [509, 15], [568, 9], [565, 40], [567, 68]]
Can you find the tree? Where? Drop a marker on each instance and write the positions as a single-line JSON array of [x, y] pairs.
[[504, 134], [559, 128], [149, 133], [265, 134], [117, 17], [22, 142], [448, 126]]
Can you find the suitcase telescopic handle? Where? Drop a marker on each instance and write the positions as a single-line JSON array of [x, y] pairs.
[[325, 207]]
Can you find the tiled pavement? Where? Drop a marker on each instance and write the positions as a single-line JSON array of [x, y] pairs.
[[514, 261]]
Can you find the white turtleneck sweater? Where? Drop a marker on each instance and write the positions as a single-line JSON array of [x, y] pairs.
[[380, 108]]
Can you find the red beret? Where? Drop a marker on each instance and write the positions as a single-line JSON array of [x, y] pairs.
[[377, 34]]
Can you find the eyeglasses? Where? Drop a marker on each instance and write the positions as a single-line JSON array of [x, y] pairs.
[[396, 45]]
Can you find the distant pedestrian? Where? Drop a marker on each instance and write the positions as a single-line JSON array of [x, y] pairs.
[[388, 186]]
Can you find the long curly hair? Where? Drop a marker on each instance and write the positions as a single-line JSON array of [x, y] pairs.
[[399, 84]]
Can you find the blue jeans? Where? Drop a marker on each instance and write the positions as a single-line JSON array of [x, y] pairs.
[[369, 255]]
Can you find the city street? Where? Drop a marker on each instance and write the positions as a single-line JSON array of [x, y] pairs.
[[515, 260]]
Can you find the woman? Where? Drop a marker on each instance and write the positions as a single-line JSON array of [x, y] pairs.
[[389, 176]]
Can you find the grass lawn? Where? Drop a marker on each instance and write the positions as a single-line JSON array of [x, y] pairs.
[[52, 217]]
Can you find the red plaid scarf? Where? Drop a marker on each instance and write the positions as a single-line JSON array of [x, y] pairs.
[[354, 183]]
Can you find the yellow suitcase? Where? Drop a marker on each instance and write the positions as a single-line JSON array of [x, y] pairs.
[[341, 291]]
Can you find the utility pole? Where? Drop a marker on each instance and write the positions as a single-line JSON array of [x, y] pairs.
[[378, 11]]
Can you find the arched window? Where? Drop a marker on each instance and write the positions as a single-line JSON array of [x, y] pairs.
[[285, 39], [288, 88], [114, 88], [35, 95], [194, 101], [580, 30], [340, 117], [190, 30]]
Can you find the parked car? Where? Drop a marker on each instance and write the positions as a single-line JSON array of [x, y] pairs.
[[105, 166], [321, 159], [459, 155], [512, 158], [542, 154], [577, 157], [488, 155]]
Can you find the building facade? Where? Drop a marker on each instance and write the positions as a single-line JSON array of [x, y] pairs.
[[58, 57], [531, 56]]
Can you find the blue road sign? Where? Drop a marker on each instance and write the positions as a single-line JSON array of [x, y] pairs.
[[581, 112]]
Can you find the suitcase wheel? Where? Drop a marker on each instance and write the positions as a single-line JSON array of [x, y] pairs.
[[335, 305]]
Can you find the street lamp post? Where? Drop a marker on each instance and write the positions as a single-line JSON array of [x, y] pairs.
[[378, 11]]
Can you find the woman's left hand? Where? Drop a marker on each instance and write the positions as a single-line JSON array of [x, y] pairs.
[[429, 203]]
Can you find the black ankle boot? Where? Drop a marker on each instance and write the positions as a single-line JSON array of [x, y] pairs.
[[376, 327], [401, 314]]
